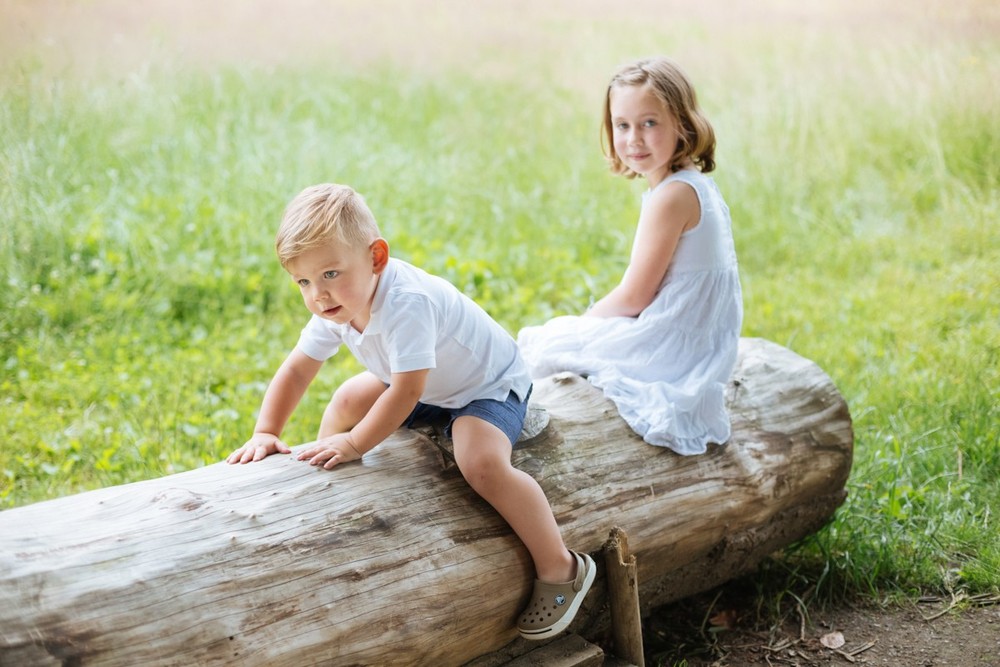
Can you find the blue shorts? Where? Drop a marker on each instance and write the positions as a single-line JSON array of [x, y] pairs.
[[508, 416]]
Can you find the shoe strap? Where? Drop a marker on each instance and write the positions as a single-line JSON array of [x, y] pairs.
[[581, 571]]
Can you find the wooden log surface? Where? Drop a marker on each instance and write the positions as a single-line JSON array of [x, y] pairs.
[[395, 560]]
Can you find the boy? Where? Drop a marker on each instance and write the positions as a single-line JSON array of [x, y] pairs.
[[429, 351]]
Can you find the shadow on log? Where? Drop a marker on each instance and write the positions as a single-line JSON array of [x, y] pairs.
[[395, 560]]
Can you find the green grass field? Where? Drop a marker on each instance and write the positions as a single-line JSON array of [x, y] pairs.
[[142, 310]]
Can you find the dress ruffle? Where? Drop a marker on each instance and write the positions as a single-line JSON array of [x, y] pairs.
[[665, 370]]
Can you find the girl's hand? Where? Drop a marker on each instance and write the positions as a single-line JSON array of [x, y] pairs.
[[258, 447], [330, 452]]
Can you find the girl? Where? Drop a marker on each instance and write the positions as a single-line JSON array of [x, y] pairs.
[[661, 344]]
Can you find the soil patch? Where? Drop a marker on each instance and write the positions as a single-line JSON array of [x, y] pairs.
[[727, 628]]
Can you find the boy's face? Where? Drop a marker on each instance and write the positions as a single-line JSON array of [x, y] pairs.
[[338, 280]]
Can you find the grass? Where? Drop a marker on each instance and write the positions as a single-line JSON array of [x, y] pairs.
[[142, 311]]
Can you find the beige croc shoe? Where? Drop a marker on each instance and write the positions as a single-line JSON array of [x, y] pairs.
[[553, 606]]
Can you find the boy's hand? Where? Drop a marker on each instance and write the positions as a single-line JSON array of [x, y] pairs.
[[331, 451], [257, 447]]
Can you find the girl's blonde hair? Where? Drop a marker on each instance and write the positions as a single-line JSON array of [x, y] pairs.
[[321, 214], [671, 86]]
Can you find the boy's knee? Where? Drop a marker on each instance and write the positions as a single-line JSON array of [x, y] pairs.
[[356, 395], [482, 453], [349, 404], [341, 402], [484, 472]]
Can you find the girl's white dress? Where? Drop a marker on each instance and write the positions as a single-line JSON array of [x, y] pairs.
[[666, 370]]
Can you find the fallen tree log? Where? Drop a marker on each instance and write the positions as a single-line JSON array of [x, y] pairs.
[[395, 560]]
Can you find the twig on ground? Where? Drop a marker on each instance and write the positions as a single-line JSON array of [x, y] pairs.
[[781, 646], [980, 600], [849, 655], [845, 655]]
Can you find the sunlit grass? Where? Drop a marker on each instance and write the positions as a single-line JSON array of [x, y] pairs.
[[142, 311]]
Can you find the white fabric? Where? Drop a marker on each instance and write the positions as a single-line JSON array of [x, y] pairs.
[[666, 370], [421, 321]]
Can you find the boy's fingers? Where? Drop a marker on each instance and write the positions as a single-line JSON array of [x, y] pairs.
[[323, 457], [247, 454]]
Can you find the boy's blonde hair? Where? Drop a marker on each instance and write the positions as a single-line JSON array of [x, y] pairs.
[[671, 86], [322, 214]]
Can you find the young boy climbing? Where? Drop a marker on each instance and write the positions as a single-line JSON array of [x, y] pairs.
[[430, 352]]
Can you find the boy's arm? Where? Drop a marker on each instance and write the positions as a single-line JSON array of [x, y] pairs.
[[390, 410], [387, 414], [283, 393]]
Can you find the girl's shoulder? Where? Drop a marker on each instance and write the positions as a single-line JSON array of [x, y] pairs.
[[675, 200], [694, 179], [699, 184], [668, 189], [690, 175]]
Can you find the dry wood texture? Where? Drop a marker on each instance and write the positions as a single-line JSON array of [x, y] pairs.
[[395, 560], [622, 578]]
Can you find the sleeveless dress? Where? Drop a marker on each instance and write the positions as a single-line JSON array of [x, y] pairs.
[[666, 370]]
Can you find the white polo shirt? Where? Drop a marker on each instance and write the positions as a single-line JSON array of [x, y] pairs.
[[421, 321]]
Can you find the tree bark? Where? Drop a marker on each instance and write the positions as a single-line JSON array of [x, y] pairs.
[[395, 560]]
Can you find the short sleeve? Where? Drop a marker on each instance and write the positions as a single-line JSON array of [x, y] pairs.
[[412, 333], [318, 341]]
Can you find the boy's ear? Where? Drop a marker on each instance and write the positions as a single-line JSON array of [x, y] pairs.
[[380, 254]]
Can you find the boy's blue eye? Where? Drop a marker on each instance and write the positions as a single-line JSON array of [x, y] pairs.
[[330, 274], [302, 282]]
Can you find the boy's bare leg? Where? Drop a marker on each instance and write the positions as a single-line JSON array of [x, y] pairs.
[[350, 403], [482, 452]]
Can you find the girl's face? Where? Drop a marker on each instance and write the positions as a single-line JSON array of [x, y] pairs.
[[338, 280], [645, 133]]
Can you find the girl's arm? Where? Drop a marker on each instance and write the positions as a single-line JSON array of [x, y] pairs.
[[669, 212]]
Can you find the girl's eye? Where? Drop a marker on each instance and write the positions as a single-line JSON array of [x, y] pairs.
[[622, 126], [330, 274], [650, 123]]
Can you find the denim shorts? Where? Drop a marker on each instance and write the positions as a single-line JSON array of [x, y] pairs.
[[508, 416]]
